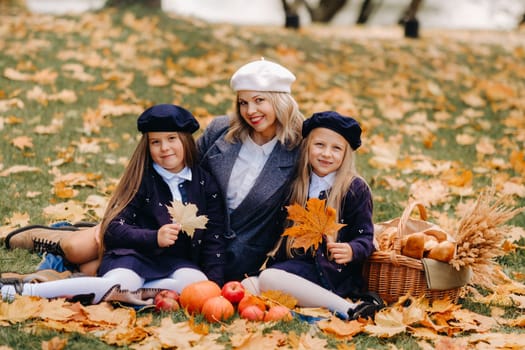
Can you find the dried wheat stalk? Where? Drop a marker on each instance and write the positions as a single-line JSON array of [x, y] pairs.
[[481, 233]]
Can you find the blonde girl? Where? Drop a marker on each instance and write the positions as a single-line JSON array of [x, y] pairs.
[[326, 277]]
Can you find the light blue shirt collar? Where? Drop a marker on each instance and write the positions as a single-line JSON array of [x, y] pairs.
[[318, 184], [173, 180], [168, 176]]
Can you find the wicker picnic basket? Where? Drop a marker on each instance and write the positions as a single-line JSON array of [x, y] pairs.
[[393, 275]]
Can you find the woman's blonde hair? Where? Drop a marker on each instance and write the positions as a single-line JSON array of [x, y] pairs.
[[335, 197], [131, 179], [289, 120]]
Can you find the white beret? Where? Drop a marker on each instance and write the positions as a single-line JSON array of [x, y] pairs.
[[262, 75]]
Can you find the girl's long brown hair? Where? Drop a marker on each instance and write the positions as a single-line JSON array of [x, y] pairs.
[[131, 179]]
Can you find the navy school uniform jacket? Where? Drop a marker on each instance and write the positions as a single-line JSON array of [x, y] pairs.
[[252, 227], [134, 231], [345, 279]]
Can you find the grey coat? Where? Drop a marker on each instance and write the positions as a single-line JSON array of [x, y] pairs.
[[253, 227]]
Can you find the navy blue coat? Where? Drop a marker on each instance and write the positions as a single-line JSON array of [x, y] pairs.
[[253, 227], [131, 238], [345, 279]]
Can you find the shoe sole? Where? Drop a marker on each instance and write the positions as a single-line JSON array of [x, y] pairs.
[[38, 276], [365, 311], [371, 304], [31, 227], [82, 224]]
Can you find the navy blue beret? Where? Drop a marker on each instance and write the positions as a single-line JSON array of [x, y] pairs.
[[167, 117], [345, 126]]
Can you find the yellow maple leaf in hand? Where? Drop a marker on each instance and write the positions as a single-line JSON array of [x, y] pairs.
[[312, 223], [186, 216]]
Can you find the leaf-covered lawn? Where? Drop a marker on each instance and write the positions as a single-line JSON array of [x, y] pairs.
[[443, 119]]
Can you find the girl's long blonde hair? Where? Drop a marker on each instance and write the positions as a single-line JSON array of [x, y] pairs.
[[289, 120], [131, 179], [335, 197]]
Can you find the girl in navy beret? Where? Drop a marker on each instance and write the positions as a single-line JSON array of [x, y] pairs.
[[144, 251], [327, 276]]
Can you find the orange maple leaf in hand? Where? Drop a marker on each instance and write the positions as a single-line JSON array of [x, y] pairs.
[[311, 223]]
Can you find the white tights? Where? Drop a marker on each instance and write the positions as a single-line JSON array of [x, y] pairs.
[[308, 294], [178, 279], [99, 286]]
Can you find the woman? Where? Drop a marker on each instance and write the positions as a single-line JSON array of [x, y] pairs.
[[252, 154]]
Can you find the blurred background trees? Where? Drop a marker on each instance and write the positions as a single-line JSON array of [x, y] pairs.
[[325, 10]]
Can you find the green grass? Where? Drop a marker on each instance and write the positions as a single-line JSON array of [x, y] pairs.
[[18, 338], [373, 76]]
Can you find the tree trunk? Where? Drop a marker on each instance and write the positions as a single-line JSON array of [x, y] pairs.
[[124, 3], [410, 21], [292, 7], [326, 10], [290, 12], [410, 12], [366, 9]]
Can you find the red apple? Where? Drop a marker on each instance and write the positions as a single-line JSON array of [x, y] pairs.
[[248, 300], [167, 300], [278, 313], [233, 291], [252, 313]]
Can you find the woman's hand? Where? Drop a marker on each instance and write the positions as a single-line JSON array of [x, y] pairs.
[[342, 253], [168, 234]]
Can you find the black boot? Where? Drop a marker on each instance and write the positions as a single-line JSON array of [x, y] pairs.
[[370, 304]]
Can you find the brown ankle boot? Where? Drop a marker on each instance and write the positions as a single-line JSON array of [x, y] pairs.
[[38, 238]]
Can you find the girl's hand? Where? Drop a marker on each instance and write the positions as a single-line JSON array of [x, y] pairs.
[[342, 253], [168, 234]]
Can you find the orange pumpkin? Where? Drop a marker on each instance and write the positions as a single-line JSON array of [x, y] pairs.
[[250, 299], [278, 313], [217, 309], [194, 295]]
